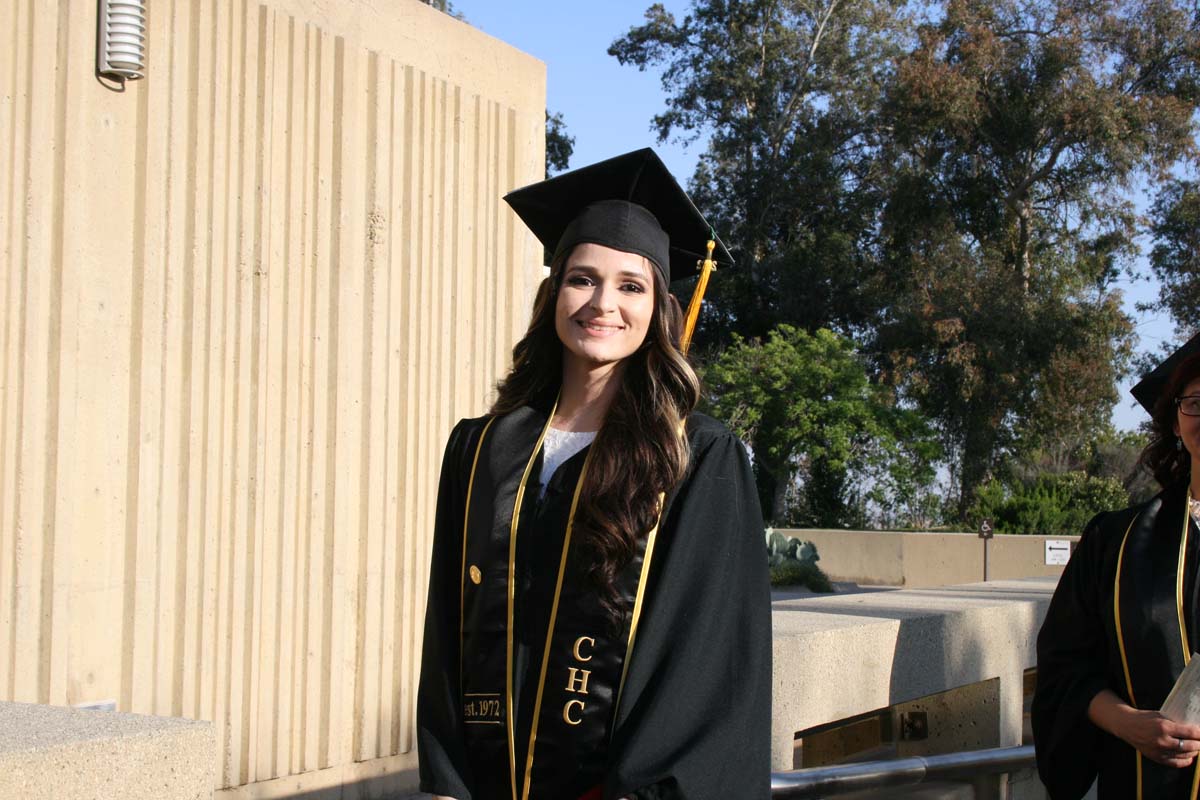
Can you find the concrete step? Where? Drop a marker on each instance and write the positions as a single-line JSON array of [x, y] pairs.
[[71, 754]]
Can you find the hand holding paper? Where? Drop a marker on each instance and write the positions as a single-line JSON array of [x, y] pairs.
[[1183, 703]]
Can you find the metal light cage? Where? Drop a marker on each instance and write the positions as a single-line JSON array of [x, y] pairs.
[[121, 39]]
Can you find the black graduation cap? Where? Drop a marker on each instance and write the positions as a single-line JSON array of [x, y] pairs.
[[1152, 385], [629, 203]]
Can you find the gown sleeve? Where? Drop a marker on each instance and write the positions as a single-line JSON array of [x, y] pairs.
[[1072, 664], [695, 716], [440, 739]]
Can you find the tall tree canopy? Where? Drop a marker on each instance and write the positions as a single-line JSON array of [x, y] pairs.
[[1016, 126], [447, 7], [559, 144], [1175, 258], [786, 91], [951, 193]]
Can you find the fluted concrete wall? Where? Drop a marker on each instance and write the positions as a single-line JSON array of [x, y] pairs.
[[241, 305]]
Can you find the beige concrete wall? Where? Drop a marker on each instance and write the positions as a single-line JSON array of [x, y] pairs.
[[241, 305], [918, 559]]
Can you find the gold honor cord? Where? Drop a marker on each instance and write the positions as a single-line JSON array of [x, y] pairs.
[[512, 569], [1121, 642], [562, 568], [693, 311], [637, 610], [1187, 650], [1179, 565], [462, 575]]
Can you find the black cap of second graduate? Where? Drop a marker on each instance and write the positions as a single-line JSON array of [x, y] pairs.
[[1150, 387], [629, 203]]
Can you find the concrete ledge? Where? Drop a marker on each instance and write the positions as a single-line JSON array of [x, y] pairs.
[[837, 656], [69, 754], [914, 559]]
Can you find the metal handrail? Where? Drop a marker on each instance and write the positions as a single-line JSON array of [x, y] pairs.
[[824, 781]]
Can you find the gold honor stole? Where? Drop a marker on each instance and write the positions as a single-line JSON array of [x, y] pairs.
[[1149, 616], [581, 670]]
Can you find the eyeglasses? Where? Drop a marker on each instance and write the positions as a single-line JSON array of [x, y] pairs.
[[1189, 405]]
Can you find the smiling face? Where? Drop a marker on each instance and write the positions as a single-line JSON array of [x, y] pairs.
[[1188, 428], [604, 306]]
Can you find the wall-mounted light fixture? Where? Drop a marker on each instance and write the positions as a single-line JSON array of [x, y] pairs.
[[121, 39]]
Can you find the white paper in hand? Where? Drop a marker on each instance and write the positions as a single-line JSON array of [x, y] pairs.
[[1183, 703]]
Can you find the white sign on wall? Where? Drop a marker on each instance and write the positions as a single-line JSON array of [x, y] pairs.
[[1058, 552]]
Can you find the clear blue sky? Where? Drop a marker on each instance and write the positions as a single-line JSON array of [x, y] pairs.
[[608, 108]]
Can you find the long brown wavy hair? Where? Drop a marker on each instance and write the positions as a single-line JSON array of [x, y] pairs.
[[1171, 465], [640, 451]]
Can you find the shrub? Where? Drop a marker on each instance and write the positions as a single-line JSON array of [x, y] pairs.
[[793, 562], [1048, 504], [797, 573]]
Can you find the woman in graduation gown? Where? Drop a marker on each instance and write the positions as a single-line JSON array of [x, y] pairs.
[[1123, 622], [599, 612]]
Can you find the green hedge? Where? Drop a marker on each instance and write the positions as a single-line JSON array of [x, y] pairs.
[[1048, 505], [798, 573]]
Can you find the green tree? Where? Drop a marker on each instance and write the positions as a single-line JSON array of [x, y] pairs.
[[1058, 491], [1117, 455], [950, 194], [446, 7], [1175, 258], [1109, 454], [559, 146], [812, 418], [1015, 126], [786, 91]]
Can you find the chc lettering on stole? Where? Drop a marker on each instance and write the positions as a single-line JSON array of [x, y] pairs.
[[577, 681]]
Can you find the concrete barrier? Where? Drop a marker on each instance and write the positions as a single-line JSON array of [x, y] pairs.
[[839, 656], [69, 754], [915, 559]]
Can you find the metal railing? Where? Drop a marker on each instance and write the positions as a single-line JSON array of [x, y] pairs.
[[827, 781]]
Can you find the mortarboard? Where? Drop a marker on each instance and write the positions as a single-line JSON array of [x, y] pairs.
[[1154, 383], [631, 203]]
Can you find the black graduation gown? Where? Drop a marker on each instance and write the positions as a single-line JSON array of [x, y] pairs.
[[1128, 560], [693, 716]]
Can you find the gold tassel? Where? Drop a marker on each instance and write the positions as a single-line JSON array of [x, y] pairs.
[[693, 311]]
